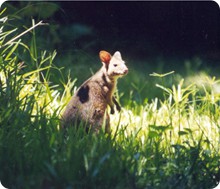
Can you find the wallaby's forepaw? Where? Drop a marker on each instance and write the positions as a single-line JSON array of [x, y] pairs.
[[112, 110], [118, 108]]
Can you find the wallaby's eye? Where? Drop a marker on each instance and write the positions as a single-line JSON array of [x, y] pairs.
[[115, 65]]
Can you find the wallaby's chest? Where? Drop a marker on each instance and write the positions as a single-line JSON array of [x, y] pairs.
[[96, 89]]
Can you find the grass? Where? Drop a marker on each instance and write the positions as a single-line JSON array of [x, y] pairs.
[[168, 142]]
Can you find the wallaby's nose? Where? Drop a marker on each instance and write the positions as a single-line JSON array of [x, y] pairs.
[[126, 71]]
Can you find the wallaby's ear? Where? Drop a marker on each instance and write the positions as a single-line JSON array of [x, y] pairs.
[[117, 55], [105, 57]]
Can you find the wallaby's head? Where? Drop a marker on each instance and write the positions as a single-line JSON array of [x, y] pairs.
[[115, 66]]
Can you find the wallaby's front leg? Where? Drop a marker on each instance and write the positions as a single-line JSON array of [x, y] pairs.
[[118, 107], [112, 108]]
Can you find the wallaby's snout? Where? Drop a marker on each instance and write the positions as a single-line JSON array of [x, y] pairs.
[[125, 71]]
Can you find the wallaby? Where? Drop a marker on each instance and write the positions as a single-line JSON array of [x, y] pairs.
[[89, 103]]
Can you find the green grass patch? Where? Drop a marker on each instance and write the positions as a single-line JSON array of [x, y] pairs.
[[167, 142]]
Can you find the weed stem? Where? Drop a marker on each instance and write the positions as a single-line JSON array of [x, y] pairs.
[[26, 31]]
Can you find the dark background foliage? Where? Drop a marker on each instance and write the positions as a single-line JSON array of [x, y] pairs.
[[140, 28], [145, 28]]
